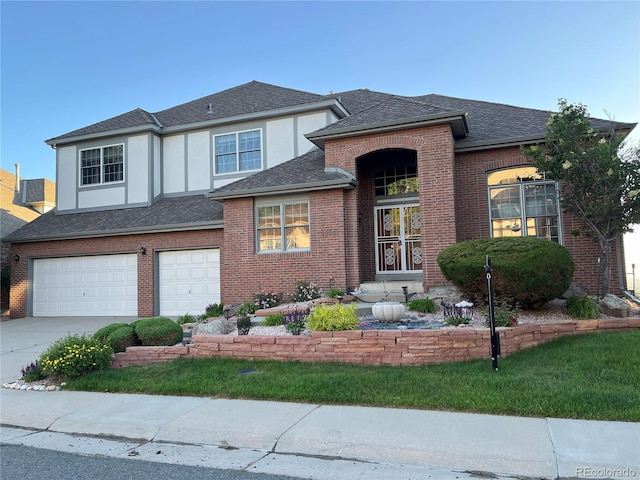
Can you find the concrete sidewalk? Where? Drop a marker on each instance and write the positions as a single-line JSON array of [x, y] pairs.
[[302, 440]]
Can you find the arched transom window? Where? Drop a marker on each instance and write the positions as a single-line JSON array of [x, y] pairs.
[[396, 181], [522, 202]]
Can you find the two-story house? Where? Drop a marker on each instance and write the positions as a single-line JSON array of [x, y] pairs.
[[259, 186]]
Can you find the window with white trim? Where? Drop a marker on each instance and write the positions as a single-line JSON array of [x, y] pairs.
[[283, 227], [238, 152], [102, 165], [522, 202]]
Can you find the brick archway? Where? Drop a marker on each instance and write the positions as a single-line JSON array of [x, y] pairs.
[[435, 161]]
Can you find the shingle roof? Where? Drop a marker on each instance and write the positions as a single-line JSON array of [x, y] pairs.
[[357, 100], [252, 97], [489, 123], [391, 110], [134, 118], [300, 174], [249, 98], [176, 213]]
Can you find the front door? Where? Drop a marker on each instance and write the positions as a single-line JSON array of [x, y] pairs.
[[398, 247]]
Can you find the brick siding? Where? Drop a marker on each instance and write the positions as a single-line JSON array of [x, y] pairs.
[[107, 245]]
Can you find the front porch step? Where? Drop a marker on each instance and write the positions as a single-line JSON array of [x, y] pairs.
[[388, 291]]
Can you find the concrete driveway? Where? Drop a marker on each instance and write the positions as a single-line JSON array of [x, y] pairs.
[[23, 340]]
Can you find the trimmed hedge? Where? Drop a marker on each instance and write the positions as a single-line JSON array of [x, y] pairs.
[[527, 271], [102, 334], [158, 331], [121, 338]]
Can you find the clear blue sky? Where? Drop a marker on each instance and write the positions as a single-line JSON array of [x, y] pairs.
[[66, 65]]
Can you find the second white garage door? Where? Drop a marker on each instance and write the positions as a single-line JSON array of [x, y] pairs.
[[189, 281]]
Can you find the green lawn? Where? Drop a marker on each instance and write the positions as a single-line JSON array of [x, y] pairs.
[[592, 376]]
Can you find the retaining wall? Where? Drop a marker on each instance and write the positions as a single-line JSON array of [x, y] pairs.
[[379, 347]]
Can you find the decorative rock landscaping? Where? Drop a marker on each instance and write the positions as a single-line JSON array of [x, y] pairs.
[[36, 387]]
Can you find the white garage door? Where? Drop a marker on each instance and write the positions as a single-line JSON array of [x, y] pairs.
[[189, 281], [101, 285]]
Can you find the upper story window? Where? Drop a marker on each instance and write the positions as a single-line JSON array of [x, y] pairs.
[[396, 181], [283, 227], [102, 165], [523, 203], [238, 152]]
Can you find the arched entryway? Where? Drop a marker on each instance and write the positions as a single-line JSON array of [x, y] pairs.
[[389, 210]]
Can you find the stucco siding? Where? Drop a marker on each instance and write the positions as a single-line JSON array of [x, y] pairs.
[[198, 161], [137, 167], [173, 162], [67, 178]]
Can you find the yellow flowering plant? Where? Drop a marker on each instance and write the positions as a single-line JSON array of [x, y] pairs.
[[74, 355]]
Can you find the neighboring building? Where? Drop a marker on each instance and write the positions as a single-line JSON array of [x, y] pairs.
[[259, 186], [21, 201]]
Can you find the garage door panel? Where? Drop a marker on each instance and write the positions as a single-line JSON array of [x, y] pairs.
[[103, 285], [189, 281]]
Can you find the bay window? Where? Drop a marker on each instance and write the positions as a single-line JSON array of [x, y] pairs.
[[522, 202]]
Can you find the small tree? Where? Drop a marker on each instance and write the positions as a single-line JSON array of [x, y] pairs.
[[599, 179]]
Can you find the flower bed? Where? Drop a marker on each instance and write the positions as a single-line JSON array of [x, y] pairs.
[[389, 347]]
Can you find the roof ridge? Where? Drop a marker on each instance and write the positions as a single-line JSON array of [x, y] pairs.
[[484, 102]]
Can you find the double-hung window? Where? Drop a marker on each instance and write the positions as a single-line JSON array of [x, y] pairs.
[[238, 152], [283, 227], [102, 165], [522, 202]]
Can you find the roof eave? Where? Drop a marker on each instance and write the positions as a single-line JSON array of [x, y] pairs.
[[124, 231], [458, 120], [346, 184], [624, 128], [53, 142]]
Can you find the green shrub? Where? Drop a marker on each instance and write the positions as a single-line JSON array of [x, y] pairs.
[[335, 292], [102, 334], [158, 331], [245, 309], [187, 318], [121, 338], [584, 307], [273, 320], [456, 320], [305, 291], [74, 355], [214, 309], [424, 305], [333, 317], [527, 271], [503, 316]]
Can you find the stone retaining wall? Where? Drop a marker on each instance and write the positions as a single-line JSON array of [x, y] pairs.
[[378, 347]]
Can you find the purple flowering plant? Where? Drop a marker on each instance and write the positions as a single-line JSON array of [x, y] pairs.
[[295, 321]]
